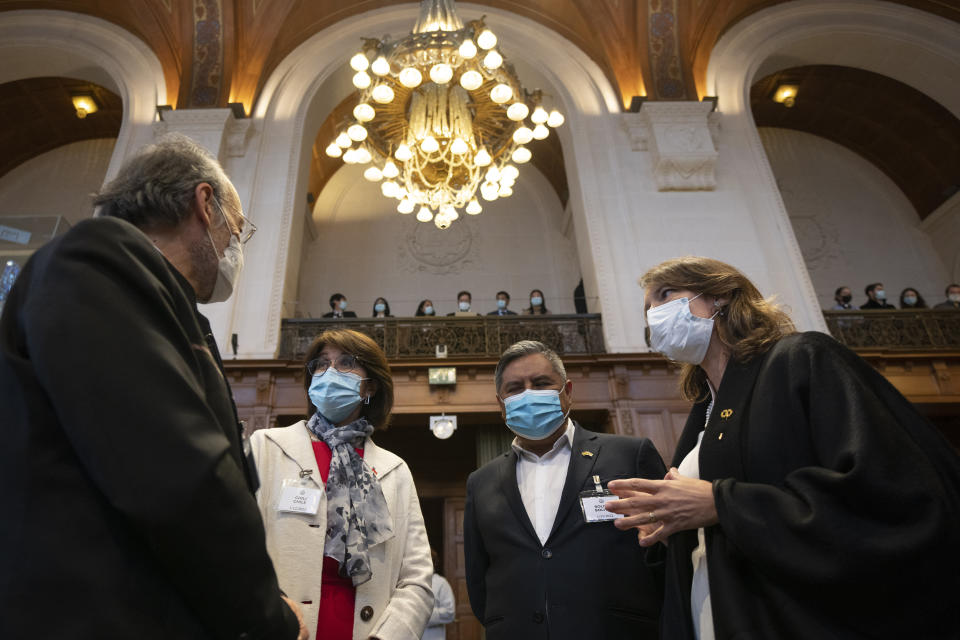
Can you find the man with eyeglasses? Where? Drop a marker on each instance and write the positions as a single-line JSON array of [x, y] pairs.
[[127, 497], [543, 559]]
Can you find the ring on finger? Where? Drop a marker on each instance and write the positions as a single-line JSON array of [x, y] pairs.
[[651, 517]]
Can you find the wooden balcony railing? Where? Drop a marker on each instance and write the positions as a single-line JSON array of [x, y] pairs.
[[921, 330], [485, 336]]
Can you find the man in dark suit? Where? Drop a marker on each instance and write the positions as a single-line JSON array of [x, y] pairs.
[[953, 298], [127, 498], [338, 307], [536, 567], [876, 297], [503, 301]]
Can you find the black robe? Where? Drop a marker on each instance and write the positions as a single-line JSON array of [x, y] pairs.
[[838, 505]]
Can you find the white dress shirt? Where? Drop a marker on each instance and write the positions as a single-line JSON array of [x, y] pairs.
[[444, 609], [541, 478]]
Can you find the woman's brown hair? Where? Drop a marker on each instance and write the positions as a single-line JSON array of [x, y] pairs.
[[748, 325], [371, 357]]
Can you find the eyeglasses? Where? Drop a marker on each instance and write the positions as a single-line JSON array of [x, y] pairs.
[[247, 228], [344, 363]]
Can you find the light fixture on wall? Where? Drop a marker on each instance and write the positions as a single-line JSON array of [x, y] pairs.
[[84, 103], [441, 116], [786, 94], [443, 426]]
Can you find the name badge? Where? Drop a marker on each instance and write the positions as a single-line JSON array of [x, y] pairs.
[[592, 503], [297, 496]]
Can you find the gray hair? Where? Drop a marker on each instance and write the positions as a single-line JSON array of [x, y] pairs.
[[526, 348], [156, 186]]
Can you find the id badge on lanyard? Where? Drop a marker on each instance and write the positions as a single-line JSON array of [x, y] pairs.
[[299, 495], [592, 503]]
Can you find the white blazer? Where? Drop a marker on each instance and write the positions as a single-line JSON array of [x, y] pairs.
[[397, 600]]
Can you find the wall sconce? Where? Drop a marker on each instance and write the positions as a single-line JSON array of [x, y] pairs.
[[443, 426], [786, 94], [84, 104]]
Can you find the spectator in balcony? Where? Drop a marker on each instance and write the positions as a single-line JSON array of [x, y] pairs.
[[801, 478], [464, 300], [842, 297], [338, 307], [425, 308], [911, 299], [381, 308], [953, 298], [537, 304], [503, 301], [876, 297], [350, 542]]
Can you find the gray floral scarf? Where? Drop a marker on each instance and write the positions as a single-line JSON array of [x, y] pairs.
[[357, 513]]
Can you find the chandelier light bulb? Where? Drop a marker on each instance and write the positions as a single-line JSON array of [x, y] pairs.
[[510, 172], [522, 135], [429, 145], [482, 158], [539, 115], [555, 119], [343, 140], [521, 155], [540, 132], [441, 73], [459, 147], [389, 189], [361, 80], [517, 111], [359, 62], [406, 206], [390, 170], [506, 182], [382, 94], [380, 66], [363, 112], [363, 156], [441, 221], [474, 207], [489, 191], [501, 93], [452, 214], [403, 153], [373, 174], [350, 156], [471, 80], [493, 175], [492, 60], [468, 50], [505, 191], [357, 132], [424, 215], [486, 39], [410, 77], [334, 150]]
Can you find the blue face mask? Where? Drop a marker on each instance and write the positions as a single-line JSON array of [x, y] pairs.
[[881, 294], [464, 306], [379, 307], [501, 304], [910, 300], [335, 394], [535, 413], [428, 310], [536, 301]]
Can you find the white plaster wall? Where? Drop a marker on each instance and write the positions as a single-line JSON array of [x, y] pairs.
[[58, 182], [365, 249], [943, 228], [853, 223]]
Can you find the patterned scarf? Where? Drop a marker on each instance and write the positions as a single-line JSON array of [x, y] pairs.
[[357, 513]]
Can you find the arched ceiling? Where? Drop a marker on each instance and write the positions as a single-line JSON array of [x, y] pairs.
[[45, 118], [909, 136]]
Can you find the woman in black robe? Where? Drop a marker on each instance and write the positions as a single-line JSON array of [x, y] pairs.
[[807, 498]]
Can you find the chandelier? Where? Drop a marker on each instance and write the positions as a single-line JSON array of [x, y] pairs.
[[440, 117]]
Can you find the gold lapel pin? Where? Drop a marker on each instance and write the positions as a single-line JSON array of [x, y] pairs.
[[586, 454], [726, 413]]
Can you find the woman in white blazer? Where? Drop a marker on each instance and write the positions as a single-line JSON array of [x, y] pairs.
[[343, 522]]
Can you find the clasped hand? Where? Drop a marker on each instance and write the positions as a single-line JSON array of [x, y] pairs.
[[660, 508]]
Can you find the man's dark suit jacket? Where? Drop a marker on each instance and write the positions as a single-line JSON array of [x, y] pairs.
[[589, 581], [346, 314], [506, 312], [125, 511]]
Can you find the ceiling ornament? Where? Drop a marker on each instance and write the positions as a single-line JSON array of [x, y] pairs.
[[441, 116]]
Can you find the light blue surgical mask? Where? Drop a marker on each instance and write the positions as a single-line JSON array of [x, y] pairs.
[[335, 394], [343, 305], [428, 310], [536, 301], [464, 306], [881, 294], [535, 413], [910, 300], [501, 303], [379, 307]]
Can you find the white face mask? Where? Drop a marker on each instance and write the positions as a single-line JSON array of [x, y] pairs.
[[229, 265], [954, 297], [677, 333]]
